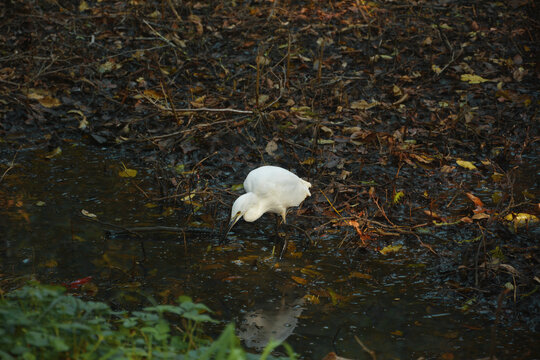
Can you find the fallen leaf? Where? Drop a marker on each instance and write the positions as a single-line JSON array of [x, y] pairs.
[[466, 164], [476, 200], [83, 6], [480, 216], [56, 152], [363, 105], [311, 299], [88, 214], [299, 280], [359, 275], [521, 219], [237, 187], [398, 196], [473, 79], [390, 249], [153, 94], [271, 148], [127, 172], [108, 66], [49, 102]]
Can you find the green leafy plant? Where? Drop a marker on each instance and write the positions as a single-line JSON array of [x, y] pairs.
[[42, 322]]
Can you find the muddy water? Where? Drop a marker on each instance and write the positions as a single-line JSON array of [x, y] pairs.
[[322, 299]]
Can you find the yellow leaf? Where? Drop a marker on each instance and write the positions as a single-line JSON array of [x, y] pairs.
[[437, 70], [127, 172], [50, 263], [466, 164], [325, 141], [390, 249], [237, 187], [311, 272], [496, 197], [521, 219], [397, 333], [36, 94], [77, 238], [473, 79], [358, 275], [334, 296], [423, 158], [168, 211], [398, 196], [427, 41], [108, 66], [311, 299], [363, 105], [49, 101], [83, 6], [56, 152], [153, 94], [497, 177], [150, 205], [447, 168], [88, 214], [308, 161]]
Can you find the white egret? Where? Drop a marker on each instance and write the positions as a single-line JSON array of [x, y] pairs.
[[268, 189]]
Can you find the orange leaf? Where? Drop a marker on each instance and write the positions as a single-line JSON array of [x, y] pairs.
[[475, 200], [299, 280], [359, 275]]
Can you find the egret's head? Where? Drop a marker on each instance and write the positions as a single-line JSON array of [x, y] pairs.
[[247, 206]]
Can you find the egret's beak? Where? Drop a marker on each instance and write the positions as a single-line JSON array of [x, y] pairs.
[[233, 221]]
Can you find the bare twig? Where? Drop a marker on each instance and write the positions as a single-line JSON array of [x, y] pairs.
[[365, 348], [11, 165]]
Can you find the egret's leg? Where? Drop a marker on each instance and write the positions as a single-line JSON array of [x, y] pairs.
[[278, 237], [277, 225]]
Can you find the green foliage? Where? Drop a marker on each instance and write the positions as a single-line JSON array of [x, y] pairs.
[[42, 322]]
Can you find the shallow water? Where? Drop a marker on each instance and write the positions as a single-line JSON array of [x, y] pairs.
[[322, 299]]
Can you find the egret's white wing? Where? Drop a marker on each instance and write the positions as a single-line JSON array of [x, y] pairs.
[[277, 185]]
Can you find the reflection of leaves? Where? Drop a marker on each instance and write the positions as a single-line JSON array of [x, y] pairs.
[[358, 275]]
